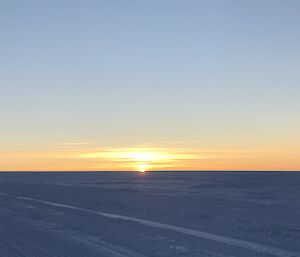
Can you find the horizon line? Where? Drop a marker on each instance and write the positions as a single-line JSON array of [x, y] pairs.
[[15, 171]]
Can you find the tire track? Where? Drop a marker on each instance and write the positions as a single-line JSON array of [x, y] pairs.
[[274, 251], [24, 237]]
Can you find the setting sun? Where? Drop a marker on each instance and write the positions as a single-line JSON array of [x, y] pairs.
[[141, 158], [142, 167]]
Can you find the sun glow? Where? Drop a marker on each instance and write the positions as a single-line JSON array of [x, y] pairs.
[[142, 159], [143, 168]]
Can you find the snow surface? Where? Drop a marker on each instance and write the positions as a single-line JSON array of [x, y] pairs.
[[149, 214]]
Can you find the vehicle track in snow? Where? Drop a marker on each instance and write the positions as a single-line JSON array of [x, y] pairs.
[[25, 237], [255, 247]]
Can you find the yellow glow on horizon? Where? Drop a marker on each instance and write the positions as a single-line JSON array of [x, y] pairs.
[[149, 158], [142, 159]]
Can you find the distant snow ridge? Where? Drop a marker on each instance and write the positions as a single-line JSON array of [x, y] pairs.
[[192, 232]]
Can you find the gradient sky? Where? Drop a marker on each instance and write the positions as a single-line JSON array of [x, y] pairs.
[[158, 84]]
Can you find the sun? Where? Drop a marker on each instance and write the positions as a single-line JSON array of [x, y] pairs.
[[142, 167], [140, 159]]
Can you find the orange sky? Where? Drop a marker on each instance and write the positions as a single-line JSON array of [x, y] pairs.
[[76, 157]]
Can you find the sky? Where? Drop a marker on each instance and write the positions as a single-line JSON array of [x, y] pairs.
[[149, 85]]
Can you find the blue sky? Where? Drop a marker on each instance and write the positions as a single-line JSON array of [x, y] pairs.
[[122, 73]]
